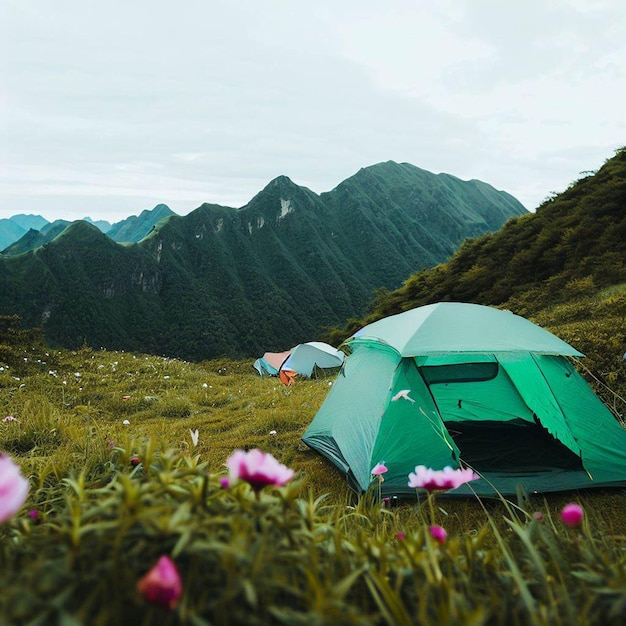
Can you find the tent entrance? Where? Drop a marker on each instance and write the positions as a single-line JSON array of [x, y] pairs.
[[325, 372], [489, 416], [511, 446]]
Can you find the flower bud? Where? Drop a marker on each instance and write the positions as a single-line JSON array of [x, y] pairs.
[[161, 585], [572, 514]]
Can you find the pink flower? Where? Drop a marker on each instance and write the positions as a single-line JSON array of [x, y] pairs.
[[224, 482], [161, 585], [258, 469], [378, 469], [9, 418], [400, 536], [447, 478], [438, 533], [572, 514], [538, 515], [13, 488]]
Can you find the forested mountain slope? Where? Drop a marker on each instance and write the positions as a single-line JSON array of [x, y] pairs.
[[237, 282]]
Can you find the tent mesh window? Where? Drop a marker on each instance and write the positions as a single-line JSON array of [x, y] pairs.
[[460, 373]]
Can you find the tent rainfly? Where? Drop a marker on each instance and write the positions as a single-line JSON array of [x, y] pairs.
[[270, 362], [456, 384]]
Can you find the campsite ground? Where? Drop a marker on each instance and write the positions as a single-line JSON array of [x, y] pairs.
[[68, 403], [117, 481]]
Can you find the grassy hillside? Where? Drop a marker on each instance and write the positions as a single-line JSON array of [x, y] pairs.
[[117, 482], [573, 246]]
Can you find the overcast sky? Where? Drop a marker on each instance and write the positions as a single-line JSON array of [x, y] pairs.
[[109, 108]]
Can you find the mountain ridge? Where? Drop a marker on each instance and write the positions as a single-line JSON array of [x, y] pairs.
[[129, 230], [239, 281], [135, 228]]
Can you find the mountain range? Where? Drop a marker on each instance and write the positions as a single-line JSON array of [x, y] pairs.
[[27, 227], [238, 282], [21, 233]]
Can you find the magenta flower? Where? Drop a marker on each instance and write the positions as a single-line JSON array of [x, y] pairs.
[[378, 469], [224, 482], [538, 515], [258, 469], [572, 514], [447, 478], [161, 585], [400, 536], [13, 488], [438, 533]]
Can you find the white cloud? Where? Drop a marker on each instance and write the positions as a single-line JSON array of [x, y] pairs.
[[107, 105]]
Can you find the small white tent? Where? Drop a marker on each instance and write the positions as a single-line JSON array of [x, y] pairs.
[[300, 361], [305, 356]]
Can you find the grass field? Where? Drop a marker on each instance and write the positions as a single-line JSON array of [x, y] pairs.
[[117, 481]]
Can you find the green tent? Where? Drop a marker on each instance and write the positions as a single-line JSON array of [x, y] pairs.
[[456, 384]]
